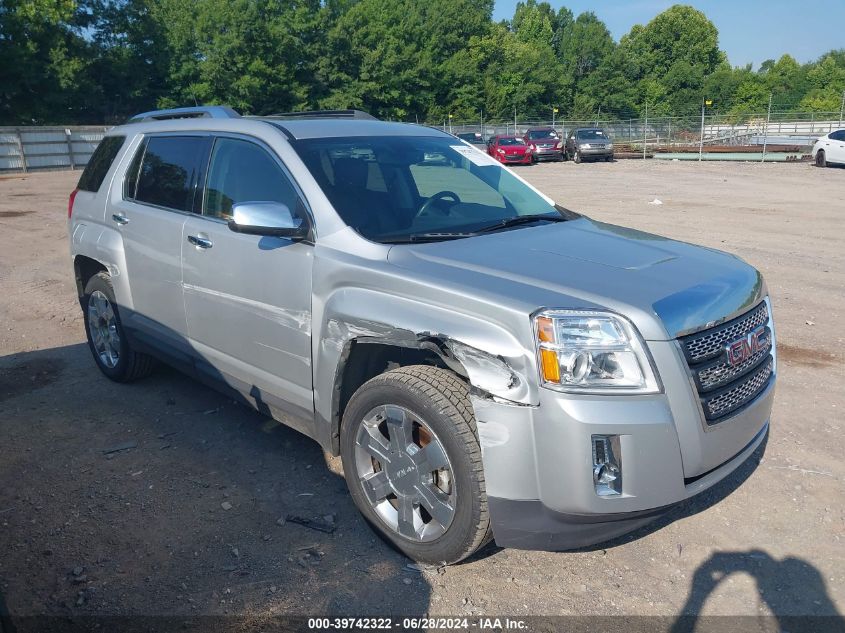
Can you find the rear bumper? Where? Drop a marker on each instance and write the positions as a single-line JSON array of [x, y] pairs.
[[530, 524]]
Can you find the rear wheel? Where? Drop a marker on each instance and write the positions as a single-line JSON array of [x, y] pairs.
[[821, 159], [106, 338], [412, 462]]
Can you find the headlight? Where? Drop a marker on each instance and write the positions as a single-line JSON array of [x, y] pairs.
[[593, 352], [584, 146], [500, 150], [610, 146], [558, 145]]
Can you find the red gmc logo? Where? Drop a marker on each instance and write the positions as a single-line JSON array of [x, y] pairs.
[[742, 349]]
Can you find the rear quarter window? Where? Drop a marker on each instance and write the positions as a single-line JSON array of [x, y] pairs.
[[99, 163]]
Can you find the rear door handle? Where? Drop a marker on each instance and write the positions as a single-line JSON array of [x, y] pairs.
[[120, 218], [200, 242]]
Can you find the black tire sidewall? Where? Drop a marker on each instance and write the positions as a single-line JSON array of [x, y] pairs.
[[101, 283], [821, 159], [453, 544]]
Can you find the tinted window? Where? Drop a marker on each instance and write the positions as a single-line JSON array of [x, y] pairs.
[[538, 134], [241, 171], [169, 171], [838, 136], [592, 135], [99, 163], [509, 140]]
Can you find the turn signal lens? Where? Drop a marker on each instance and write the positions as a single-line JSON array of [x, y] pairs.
[[70, 201], [551, 366]]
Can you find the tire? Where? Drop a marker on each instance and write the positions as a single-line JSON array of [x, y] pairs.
[[577, 157], [821, 159], [112, 352], [430, 404]]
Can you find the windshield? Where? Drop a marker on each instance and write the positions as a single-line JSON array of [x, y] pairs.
[[533, 135], [396, 188], [510, 140], [592, 135]]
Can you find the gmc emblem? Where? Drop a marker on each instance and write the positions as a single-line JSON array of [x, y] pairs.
[[742, 349]]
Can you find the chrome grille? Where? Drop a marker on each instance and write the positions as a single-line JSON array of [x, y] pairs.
[[720, 373], [711, 343], [724, 388], [731, 399]]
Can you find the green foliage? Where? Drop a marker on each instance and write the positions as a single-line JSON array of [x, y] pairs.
[[94, 61]]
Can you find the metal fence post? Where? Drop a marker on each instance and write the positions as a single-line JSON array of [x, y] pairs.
[[842, 109], [766, 130], [645, 129], [701, 139], [70, 149], [20, 149]]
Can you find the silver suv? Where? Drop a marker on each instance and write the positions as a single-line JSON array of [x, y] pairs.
[[487, 363]]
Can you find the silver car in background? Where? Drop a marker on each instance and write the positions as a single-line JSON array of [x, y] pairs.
[[487, 363]]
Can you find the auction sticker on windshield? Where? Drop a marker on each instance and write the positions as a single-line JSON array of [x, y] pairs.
[[475, 156]]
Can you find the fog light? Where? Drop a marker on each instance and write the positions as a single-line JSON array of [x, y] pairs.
[[607, 465]]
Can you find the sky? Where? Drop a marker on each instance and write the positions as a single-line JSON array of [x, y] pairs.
[[750, 31]]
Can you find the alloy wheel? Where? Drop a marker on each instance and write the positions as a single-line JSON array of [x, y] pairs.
[[405, 473], [102, 324]]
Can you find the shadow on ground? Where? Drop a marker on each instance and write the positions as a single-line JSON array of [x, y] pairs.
[[163, 498]]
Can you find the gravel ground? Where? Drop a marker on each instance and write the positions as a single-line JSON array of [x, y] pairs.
[[163, 497]]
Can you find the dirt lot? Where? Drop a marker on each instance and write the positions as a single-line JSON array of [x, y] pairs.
[[144, 530]]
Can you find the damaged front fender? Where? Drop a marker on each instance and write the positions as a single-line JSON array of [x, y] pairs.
[[495, 363]]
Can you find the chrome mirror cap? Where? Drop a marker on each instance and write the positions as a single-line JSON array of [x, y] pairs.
[[267, 218]]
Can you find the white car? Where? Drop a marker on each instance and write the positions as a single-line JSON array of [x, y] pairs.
[[830, 149]]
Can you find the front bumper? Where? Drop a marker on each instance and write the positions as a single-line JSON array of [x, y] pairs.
[[525, 159], [548, 154], [596, 152], [529, 524], [538, 459]]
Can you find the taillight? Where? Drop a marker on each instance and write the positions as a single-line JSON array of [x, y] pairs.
[[70, 202]]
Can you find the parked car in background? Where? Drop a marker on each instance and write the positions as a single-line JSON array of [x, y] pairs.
[[511, 150], [545, 143], [589, 143], [830, 149], [472, 137]]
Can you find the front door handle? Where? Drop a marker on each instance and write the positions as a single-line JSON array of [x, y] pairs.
[[200, 242], [120, 219]]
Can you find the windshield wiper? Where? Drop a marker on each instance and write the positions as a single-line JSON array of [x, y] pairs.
[[428, 237], [521, 219]]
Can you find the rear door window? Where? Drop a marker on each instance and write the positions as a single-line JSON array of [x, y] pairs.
[[170, 170], [99, 163]]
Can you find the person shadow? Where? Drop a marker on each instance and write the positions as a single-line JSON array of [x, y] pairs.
[[792, 589]]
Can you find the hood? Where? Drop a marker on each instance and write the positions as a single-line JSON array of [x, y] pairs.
[[668, 288]]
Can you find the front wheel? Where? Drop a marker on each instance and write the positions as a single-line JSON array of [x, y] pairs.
[[821, 159], [412, 462]]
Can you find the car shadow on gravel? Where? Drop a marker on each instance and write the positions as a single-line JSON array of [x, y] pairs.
[[166, 498], [793, 591]]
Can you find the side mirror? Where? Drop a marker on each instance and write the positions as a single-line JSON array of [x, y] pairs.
[[267, 218]]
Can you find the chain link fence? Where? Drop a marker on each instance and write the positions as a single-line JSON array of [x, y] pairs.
[[791, 132]]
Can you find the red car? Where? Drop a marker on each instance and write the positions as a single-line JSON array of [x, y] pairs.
[[510, 150]]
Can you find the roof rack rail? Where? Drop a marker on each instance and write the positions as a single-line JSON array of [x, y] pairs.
[[324, 114], [212, 112]]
